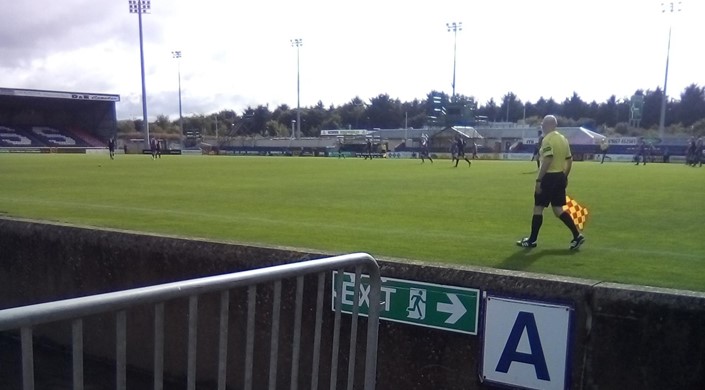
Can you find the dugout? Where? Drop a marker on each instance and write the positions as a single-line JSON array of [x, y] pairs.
[[90, 118]]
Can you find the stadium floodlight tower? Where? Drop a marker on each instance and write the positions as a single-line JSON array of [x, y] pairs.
[[177, 54], [670, 8], [454, 27], [298, 42], [140, 7]]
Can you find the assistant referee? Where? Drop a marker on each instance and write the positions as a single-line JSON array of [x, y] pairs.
[[551, 182]]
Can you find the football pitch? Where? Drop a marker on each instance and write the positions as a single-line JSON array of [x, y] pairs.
[[646, 224]]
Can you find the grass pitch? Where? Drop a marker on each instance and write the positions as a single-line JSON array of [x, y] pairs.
[[646, 224]]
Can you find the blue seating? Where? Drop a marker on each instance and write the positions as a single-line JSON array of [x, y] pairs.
[[38, 136]]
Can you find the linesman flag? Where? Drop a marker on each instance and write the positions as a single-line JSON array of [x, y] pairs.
[[576, 211]]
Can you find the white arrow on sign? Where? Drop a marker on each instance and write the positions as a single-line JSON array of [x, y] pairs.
[[455, 308]]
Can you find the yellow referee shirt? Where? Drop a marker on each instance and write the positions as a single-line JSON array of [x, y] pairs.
[[554, 144]]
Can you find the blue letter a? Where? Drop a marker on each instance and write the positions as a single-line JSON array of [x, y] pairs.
[[510, 354]]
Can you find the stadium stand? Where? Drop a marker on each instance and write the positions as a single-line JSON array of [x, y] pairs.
[[53, 121], [15, 138], [38, 137], [87, 137]]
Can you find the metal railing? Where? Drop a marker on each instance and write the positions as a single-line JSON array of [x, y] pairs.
[[74, 310]]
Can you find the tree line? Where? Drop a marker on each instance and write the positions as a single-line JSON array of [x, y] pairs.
[[684, 116]]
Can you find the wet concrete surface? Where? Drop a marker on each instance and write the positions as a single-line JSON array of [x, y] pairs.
[[53, 370]]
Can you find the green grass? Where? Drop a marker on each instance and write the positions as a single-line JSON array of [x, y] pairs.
[[646, 226]]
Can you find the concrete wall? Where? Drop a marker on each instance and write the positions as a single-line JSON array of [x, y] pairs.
[[621, 336]]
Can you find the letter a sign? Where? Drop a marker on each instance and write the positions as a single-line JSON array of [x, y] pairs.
[[526, 343]]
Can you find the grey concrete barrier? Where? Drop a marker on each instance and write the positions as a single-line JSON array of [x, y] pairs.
[[617, 336]]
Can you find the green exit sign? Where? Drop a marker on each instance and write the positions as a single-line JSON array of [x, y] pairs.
[[449, 308]]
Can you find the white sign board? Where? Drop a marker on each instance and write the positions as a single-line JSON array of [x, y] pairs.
[[526, 343]]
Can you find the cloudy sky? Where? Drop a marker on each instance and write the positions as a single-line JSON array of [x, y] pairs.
[[238, 53]]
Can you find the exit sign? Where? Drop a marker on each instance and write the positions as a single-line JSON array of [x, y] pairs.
[[449, 308]]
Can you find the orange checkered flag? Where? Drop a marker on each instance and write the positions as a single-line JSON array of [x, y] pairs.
[[576, 211]]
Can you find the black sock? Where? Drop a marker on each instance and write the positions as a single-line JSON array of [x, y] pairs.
[[536, 222], [568, 221]]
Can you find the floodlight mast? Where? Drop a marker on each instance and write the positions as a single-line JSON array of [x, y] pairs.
[[140, 7], [670, 7], [177, 54], [298, 42], [454, 27]]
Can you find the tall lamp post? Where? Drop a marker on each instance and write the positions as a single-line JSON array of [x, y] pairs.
[[454, 27], [670, 8], [298, 42], [140, 7], [177, 54]]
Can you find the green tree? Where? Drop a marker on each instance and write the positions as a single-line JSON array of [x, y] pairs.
[[285, 116], [312, 120], [414, 113], [529, 111], [333, 121], [575, 107], [276, 129], [622, 128], [490, 110], [652, 108], [504, 108], [163, 124], [547, 107], [126, 126], [138, 124], [257, 119], [592, 110], [198, 122], [608, 112], [512, 109], [353, 114], [682, 116], [691, 107], [623, 110], [385, 112], [698, 128]]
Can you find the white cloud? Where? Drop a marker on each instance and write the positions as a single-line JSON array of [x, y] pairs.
[[238, 54]]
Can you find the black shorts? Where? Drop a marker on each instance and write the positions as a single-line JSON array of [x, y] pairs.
[[552, 190]]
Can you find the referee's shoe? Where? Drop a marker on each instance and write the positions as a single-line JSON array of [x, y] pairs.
[[577, 242], [526, 243]]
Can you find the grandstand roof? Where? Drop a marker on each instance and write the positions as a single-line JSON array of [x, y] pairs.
[[581, 136], [403, 133], [575, 135], [509, 132], [59, 95], [465, 131]]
